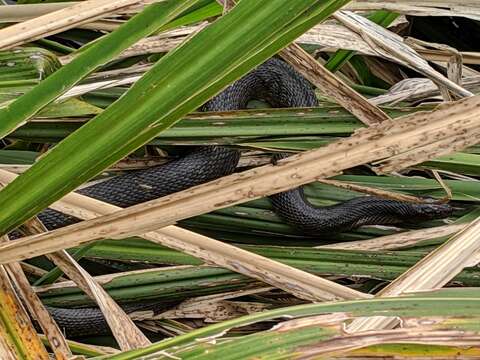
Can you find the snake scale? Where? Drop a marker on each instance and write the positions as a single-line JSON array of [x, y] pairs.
[[281, 86]]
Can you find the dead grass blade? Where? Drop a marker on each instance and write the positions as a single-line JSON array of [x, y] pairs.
[[441, 265], [58, 21], [105, 84], [215, 308], [443, 56], [18, 13], [332, 37], [457, 8], [415, 89], [386, 42], [294, 281], [6, 350], [397, 241], [441, 131], [333, 86]]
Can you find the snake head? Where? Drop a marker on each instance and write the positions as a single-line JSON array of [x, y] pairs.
[[430, 211]]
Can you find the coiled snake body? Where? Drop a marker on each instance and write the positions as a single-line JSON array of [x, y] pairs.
[[281, 86]]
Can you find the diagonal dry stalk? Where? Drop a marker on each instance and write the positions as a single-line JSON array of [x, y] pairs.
[[397, 241], [446, 129], [123, 329], [55, 338], [58, 21], [333, 86]]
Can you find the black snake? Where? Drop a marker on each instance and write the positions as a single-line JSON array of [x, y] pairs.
[[281, 86]]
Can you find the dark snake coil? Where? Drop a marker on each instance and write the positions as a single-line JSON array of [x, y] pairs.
[[280, 85]]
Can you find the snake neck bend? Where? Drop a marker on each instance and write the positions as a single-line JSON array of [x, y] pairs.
[[296, 210]]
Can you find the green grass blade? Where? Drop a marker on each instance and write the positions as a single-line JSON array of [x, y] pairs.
[[55, 273]]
